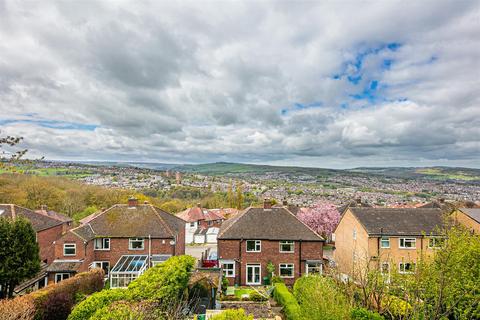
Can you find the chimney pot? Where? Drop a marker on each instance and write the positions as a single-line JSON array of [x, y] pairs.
[[132, 202], [267, 204]]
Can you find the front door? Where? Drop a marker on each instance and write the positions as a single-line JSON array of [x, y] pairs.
[[253, 274]]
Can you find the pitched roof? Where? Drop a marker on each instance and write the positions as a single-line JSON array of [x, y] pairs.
[[39, 221], [198, 213], [122, 221], [473, 213], [54, 215], [400, 221], [267, 224], [65, 265]]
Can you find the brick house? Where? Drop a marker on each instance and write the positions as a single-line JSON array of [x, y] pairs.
[[469, 218], [124, 239], [198, 220], [48, 227], [259, 236], [387, 237]]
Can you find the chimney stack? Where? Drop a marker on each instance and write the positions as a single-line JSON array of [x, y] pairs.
[[267, 204], [132, 202], [285, 202]]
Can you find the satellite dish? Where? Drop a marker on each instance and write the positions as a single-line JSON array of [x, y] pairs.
[[172, 242]]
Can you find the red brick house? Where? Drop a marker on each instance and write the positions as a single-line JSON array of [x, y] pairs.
[[259, 236], [198, 220], [49, 227], [124, 240]]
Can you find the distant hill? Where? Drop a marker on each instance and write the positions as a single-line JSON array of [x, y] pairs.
[[434, 173]]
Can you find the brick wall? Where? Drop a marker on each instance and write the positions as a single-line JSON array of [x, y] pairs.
[[270, 252], [46, 239]]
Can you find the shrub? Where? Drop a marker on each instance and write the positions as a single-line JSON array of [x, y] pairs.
[[20, 308], [238, 314], [118, 311], [320, 298], [224, 284], [364, 314], [396, 307], [85, 309], [255, 296], [287, 300], [277, 279], [166, 281]]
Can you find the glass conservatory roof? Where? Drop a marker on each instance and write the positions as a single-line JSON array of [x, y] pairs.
[[130, 263]]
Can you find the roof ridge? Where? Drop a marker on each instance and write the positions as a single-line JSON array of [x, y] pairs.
[[102, 212], [161, 220]]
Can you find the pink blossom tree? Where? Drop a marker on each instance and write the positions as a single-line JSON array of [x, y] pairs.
[[322, 217]]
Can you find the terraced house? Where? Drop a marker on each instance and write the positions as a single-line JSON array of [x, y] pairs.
[[386, 237], [257, 237], [124, 240]]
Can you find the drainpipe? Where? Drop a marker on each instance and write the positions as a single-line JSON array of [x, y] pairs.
[[149, 250], [240, 262], [300, 257]]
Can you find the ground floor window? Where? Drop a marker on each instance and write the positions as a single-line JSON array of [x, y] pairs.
[[121, 280], [253, 274], [105, 265], [314, 267], [61, 276], [286, 270], [228, 269], [406, 267]]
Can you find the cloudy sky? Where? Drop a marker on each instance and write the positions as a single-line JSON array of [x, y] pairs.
[[331, 84]]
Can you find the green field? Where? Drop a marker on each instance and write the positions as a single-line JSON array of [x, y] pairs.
[[48, 172]]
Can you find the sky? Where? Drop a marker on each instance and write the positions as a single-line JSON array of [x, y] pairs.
[[335, 84]]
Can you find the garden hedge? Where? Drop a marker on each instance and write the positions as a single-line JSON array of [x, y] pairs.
[[284, 297]]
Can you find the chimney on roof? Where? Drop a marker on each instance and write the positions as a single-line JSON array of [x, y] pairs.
[[285, 202], [132, 202], [267, 204]]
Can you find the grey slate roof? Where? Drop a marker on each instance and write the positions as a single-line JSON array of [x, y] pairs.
[[267, 224], [39, 221], [122, 221], [473, 213], [64, 266], [400, 221]]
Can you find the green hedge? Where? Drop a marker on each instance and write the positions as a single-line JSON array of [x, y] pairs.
[[364, 314], [238, 314], [283, 296], [164, 283]]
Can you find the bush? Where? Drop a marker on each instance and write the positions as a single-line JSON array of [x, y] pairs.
[[224, 284], [320, 298], [255, 296], [119, 311], [364, 314], [166, 281], [85, 309], [232, 315], [288, 301], [20, 308], [277, 279], [396, 307]]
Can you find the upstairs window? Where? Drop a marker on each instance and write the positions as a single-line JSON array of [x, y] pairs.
[[385, 242], [136, 244], [254, 245], [102, 244], [407, 243], [69, 249], [287, 246]]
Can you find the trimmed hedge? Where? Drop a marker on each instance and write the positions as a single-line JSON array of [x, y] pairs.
[[54, 301], [232, 314], [283, 296], [165, 284]]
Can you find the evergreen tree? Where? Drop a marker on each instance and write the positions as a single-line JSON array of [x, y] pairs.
[[19, 254]]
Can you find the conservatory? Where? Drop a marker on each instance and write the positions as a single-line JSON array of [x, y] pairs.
[[127, 269]]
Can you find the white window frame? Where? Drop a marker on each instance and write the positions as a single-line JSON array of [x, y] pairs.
[[258, 243], [384, 239], [230, 272], [286, 266], [259, 270], [405, 239], [403, 264], [62, 275], [320, 266], [102, 241], [435, 239], [95, 263], [130, 240], [71, 245], [287, 242]]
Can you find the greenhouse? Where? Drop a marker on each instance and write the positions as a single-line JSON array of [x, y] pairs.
[[127, 269]]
